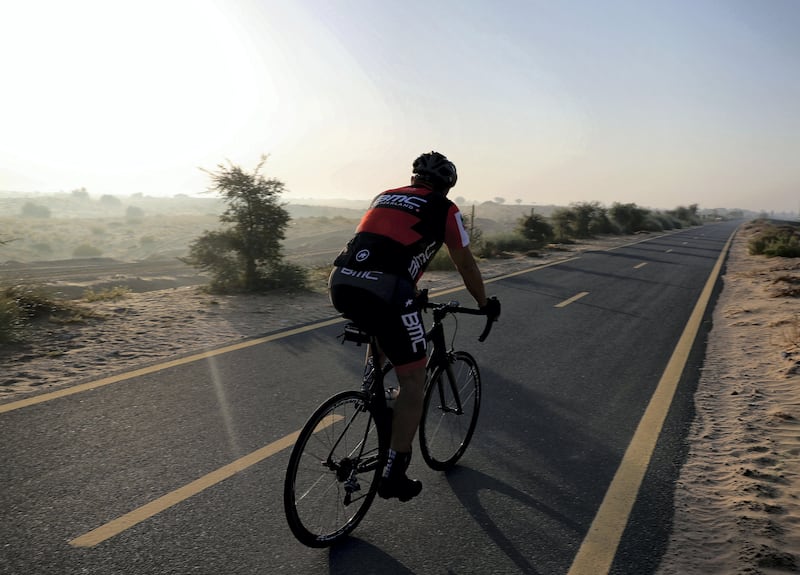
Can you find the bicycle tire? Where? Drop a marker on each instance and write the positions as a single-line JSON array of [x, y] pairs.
[[444, 433], [338, 449]]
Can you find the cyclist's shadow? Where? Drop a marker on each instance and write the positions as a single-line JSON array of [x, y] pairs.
[[467, 484], [354, 556]]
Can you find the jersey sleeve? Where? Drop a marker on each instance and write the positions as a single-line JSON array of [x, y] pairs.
[[455, 233]]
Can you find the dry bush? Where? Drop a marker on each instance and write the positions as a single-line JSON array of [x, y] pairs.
[[786, 286], [110, 294]]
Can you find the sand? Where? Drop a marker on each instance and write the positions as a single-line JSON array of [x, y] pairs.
[[736, 501]]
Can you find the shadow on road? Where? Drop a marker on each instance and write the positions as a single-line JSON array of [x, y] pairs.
[[356, 557]]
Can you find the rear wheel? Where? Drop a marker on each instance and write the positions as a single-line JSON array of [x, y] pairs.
[[333, 471], [450, 411]]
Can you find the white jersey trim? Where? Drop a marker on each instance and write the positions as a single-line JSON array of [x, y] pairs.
[[462, 230]]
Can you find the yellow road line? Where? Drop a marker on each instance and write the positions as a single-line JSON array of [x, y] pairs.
[[639, 266], [528, 270], [599, 547], [159, 367], [11, 406], [573, 299], [120, 524], [504, 276]]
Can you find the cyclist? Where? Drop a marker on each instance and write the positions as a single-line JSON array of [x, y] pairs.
[[373, 283]]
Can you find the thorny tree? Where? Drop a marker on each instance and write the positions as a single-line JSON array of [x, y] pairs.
[[246, 254]]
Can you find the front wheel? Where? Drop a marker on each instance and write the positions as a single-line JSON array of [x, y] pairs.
[[333, 471], [450, 411]]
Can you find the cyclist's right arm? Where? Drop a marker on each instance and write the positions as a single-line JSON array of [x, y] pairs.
[[468, 268]]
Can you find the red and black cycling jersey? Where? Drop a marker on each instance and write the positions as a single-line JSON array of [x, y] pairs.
[[401, 232]]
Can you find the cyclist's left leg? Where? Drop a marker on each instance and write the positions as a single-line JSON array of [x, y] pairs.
[[407, 407]]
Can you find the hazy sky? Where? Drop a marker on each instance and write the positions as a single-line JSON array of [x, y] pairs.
[[661, 103]]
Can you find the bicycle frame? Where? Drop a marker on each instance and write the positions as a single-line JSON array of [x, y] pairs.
[[439, 356]]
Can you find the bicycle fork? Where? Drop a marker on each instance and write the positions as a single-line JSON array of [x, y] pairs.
[[447, 378]]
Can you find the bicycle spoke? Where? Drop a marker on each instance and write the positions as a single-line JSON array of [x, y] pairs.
[[331, 478], [450, 412]]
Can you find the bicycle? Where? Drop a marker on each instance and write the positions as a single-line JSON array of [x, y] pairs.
[[336, 463]]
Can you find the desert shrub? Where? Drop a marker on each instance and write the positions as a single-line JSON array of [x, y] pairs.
[[31, 210], [562, 220], [33, 301], [108, 294], [19, 304], [11, 321], [228, 277], [666, 221], [536, 229], [590, 218], [134, 215], [283, 275], [776, 241], [629, 217], [786, 286], [651, 223], [110, 201], [247, 254], [498, 244], [86, 251], [80, 194], [598, 220], [688, 215], [601, 223], [317, 278], [785, 246]]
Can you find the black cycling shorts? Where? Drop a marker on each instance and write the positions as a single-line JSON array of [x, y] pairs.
[[383, 305]]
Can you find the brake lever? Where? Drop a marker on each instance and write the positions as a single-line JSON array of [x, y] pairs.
[[487, 329]]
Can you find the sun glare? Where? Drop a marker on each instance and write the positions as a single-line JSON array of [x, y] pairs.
[[101, 86]]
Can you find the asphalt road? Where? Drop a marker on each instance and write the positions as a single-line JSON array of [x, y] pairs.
[[180, 470]]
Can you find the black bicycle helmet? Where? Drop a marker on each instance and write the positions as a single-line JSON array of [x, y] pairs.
[[435, 169]]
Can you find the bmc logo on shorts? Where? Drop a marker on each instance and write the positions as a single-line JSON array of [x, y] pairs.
[[364, 275], [415, 329]]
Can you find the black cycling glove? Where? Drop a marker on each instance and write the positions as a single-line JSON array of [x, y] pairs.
[[492, 308], [421, 299]]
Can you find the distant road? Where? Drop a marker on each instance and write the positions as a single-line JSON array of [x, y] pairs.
[[137, 275], [71, 278], [86, 269]]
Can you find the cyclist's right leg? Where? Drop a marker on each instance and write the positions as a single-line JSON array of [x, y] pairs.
[[407, 414], [386, 309]]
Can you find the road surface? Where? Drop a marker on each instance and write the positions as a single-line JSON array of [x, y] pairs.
[[588, 382]]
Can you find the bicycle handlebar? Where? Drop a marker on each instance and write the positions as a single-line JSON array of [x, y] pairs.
[[440, 310]]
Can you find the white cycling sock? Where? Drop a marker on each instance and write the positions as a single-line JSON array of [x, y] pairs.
[[389, 461]]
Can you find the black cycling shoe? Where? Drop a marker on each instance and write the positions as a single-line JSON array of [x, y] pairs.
[[401, 487], [395, 483]]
